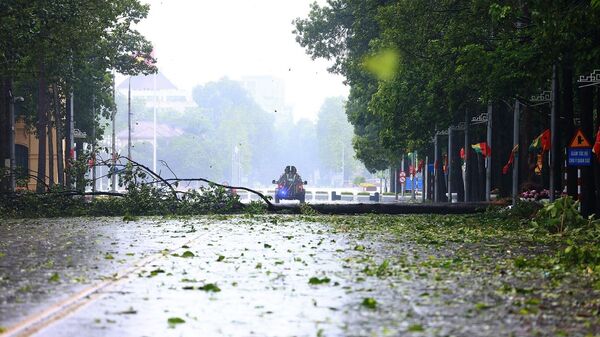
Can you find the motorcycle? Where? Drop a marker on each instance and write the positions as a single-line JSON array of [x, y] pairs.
[[290, 189]]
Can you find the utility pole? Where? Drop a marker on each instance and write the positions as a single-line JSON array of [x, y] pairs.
[[129, 120], [515, 180], [488, 159], [154, 129], [113, 177]]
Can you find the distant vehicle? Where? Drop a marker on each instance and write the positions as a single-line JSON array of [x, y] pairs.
[[290, 186]]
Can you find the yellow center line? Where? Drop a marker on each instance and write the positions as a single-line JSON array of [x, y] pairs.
[[60, 310]]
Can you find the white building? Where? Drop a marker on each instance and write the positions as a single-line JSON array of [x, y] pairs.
[[157, 90]]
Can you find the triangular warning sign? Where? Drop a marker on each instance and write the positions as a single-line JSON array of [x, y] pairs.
[[579, 140]]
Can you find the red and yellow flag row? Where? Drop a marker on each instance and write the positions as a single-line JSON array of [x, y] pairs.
[[539, 146]]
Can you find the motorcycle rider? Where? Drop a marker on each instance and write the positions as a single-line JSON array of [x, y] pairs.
[[295, 178], [284, 177]]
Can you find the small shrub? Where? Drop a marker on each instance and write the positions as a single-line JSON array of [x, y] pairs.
[[560, 215]]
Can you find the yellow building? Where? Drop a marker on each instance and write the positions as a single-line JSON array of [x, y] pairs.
[[27, 154]]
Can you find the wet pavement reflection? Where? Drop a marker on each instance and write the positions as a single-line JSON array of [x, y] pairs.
[[268, 275]]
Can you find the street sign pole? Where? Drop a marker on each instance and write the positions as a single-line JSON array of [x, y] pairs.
[[396, 183], [402, 185], [579, 154], [579, 194]]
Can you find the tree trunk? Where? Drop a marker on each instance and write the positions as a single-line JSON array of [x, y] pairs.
[[440, 175], [68, 149], [41, 129], [50, 153], [457, 181], [587, 125], [502, 147], [4, 130], [59, 139]]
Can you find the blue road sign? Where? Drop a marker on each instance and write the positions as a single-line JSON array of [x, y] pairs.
[[580, 156], [418, 184]]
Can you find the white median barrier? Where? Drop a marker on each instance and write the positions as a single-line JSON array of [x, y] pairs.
[[321, 196], [347, 196], [388, 197], [363, 197]]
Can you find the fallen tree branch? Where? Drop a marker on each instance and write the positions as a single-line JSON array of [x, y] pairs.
[[262, 196]]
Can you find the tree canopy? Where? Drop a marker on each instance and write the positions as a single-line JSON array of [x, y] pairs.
[[415, 66]]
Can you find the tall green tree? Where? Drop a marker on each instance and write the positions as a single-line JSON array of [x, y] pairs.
[[452, 57], [70, 46]]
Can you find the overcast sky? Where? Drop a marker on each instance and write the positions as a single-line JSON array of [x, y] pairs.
[[198, 41]]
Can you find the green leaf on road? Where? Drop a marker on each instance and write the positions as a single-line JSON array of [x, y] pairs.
[[370, 303], [54, 278], [359, 248], [482, 306], [220, 258], [156, 272], [173, 321], [187, 253], [415, 328], [316, 280], [210, 287]]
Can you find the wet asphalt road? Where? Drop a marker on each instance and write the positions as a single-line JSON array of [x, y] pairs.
[[243, 276]]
